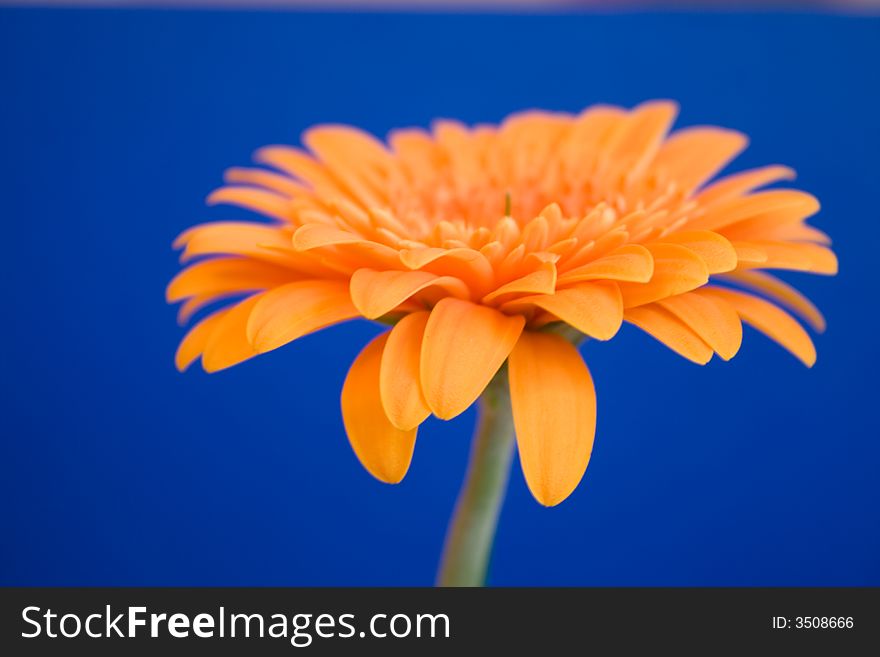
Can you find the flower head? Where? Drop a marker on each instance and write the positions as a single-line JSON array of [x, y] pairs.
[[477, 244]]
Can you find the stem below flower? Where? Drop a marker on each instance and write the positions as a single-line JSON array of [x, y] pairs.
[[472, 528]]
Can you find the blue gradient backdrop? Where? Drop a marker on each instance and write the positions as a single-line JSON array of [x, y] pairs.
[[115, 469]]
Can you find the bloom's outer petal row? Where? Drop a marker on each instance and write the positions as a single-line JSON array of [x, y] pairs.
[[464, 345], [554, 414], [383, 449], [628, 231]]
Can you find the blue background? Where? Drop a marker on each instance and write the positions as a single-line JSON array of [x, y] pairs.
[[115, 469]]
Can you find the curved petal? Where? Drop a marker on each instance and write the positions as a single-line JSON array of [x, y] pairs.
[[463, 347], [316, 235], [466, 264], [296, 309], [228, 344], [554, 413], [273, 182], [399, 384], [772, 321], [254, 199], [303, 167], [194, 304], [748, 254], [540, 281], [225, 276], [233, 237], [677, 269], [742, 183], [671, 331], [193, 343], [375, 293], [595, 309], [773, 206], [639, 135], [794, 256], [692, 156], [715, 250], [632, 263], [383, 449], [355, 159], [780, 292], [712, 318]]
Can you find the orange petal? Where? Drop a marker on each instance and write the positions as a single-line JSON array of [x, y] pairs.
[[399, 383], [466, 264], [633, 263], [773, 206], [351, 157], [778, 217], [383, 449], [780, 292], [463, 347], [741, 183], [713, 319], [193, 343], [677, 269], [639, 135], [351, 247], [224, 276], [273, 182], [339, 145], [595, 309], [590, 132], [692, 156], [228, 344], [715, 250], [302, 166], [315, 235], [794, 256], [254, 199], [540, 281], [671, 331], [232, 237], [747, 253], [554, 413], [296, 309], [772, 321], [796, 232], [375, 293]]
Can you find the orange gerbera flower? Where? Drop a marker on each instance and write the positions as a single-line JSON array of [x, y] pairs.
[[478, 244]]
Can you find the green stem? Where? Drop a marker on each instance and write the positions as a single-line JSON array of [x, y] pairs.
[[472, 528]]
